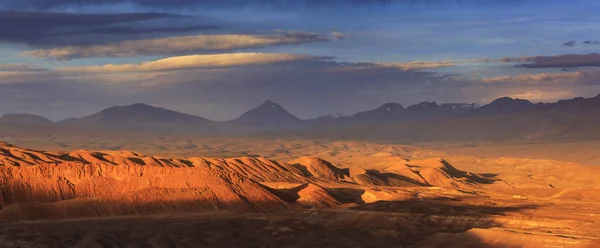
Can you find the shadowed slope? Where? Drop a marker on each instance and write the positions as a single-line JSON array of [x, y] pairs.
[[143, 117], [86, 183], [268, 114], [24, 119]]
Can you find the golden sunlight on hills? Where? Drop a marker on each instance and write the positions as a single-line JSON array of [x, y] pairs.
[[377, 190]]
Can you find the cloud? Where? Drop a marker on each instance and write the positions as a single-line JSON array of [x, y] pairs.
[[542, 95], [561, 61], [543, 78], [338, 35], [18, 68], [279, 4], [176, 45], [46, 29], [590, 42], [206, 61], [410, 66], [16, 73], [176, 4], [569, 43], [403, 66], [421, 65]]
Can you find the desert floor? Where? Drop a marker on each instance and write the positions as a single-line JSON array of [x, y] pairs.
[[336, 194]]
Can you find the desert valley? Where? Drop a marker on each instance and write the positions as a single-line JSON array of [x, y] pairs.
[[110, 186]]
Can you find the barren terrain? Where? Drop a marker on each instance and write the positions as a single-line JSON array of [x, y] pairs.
[[291, 193]]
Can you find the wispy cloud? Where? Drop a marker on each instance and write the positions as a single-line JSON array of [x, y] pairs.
[[543, 78], [207, 61], [569, 43], [591, 42], [561, 61], [18, 68], [542, 95], [176, 45]]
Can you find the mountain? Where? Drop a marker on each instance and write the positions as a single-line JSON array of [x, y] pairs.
[[504, 119], [24, 119], [421, 111], [138, 112], [140, 116], [269, 114], [578, 102], [424, 106], [386, 112], [506, 105], [459, 106], [433, 111]]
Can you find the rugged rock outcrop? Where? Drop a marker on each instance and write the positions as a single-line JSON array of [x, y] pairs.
[[41, 185]]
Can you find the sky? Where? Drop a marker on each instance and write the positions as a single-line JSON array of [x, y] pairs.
[[219, 58]]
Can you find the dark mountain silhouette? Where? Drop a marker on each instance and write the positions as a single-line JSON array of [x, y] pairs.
[[393, 112], [433, 111], [504, 119], [386, 112], [424, 106], [527, 119], [24, 119], [142, 117], [269, 114], [506, 104], [138, 112], [578, 102]]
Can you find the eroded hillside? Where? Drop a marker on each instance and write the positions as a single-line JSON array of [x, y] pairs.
[[381, 196]]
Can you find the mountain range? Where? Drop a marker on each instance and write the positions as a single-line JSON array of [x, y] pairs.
[[271, 116]]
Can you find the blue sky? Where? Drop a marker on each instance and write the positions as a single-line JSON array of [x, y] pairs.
[[369, 37]]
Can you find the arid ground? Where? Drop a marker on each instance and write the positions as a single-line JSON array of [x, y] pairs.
[[141, 190]]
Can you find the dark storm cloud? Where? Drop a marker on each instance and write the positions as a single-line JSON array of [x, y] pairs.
[[561, 61], [57, 29]]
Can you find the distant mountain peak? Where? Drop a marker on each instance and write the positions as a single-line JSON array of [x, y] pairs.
[[423, 105], [270, 105], [268, 113], [427, 104], [137, 113], [386, 112], [459, 106], [508, 103], [137, 104], [579, 102], [336, 115], [390, 107]]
